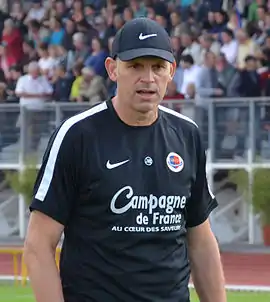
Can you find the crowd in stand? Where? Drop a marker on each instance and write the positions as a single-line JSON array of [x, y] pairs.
[[55, 50], [219, 53]]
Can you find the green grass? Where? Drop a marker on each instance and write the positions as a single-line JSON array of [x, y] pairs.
[[12, 293]]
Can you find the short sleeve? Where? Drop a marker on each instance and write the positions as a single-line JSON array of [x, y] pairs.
[[202, 201], [20, 86], [47, 86], [55, 188]]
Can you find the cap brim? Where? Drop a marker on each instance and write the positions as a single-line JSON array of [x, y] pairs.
[[146, 52]]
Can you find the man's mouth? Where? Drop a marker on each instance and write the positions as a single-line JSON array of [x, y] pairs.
[[146, 92]]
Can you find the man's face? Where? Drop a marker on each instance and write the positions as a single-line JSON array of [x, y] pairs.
[[34, 72], [142, 82], [210, 60], [70, 26], [175, 19], [186, 40], [261, 13], [251, 65], [60, 7], [14, 74], [241, 36], [225, 37]]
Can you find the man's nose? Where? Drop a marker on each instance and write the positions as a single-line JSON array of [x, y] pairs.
[[148, 75]]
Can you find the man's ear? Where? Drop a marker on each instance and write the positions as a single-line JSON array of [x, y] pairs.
[[172, 70], [111, 67]]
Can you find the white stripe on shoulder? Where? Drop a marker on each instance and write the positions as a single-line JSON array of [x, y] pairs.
[[49, 169], [170, 111]]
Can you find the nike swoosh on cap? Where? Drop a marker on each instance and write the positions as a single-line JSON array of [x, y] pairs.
[[143, 37]]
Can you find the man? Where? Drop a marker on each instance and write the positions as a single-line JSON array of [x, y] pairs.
[[92, 88], [207, 88], [34, 90], [230, 46], [126, 183]]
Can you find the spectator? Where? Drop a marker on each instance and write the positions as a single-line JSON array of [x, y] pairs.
[[207, 79], [18, 16], [61, 84], [57, 32], [90, 14], [88, 30], [138, 9], [67, 41], [37, 32], [77, 72], [230, 46], [253, 9], [262, 15], [65, 57], [228, 77], [128, 14], [208, 24], [37, 11], [207, 86], [227, 119], [151, 14], [104, 31], [161, 19], [177, 48], [11, 46], [207, 44], [61, 11], [177, 27], [190, 73], [81, 48], [246, 46], [46, 62], [92, 88], [221, 20], [33, 89], [97, 58], [77, 11], [118, 22], [15, 73], [191, 47], [250, 79], [29, 53]]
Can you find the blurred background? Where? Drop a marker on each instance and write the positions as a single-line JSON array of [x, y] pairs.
[[52, 57]]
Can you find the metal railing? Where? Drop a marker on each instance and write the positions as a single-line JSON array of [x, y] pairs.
[[236, 133]]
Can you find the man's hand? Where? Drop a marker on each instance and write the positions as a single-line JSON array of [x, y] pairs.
[[206, 268], [219, 92]]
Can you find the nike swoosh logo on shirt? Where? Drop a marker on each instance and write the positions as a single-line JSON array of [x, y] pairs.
[[143, 37], [115, 165]]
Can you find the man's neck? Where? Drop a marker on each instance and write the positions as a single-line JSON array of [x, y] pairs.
[[134, 118]]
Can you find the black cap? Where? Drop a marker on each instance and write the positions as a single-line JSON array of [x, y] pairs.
[[142, 37]]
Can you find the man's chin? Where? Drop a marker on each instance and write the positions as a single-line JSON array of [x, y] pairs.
[[144, 107]]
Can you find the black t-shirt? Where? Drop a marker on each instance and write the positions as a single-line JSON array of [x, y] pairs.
[[126, 196]]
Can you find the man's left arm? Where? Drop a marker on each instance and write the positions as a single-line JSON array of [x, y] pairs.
[[204, 256], [206, 268]]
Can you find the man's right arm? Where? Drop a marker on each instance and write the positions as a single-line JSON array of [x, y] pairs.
[[39, 255], [53, 202], [30, 95]]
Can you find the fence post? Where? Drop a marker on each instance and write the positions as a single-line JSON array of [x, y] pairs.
[[251, 158], [23, 138]]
